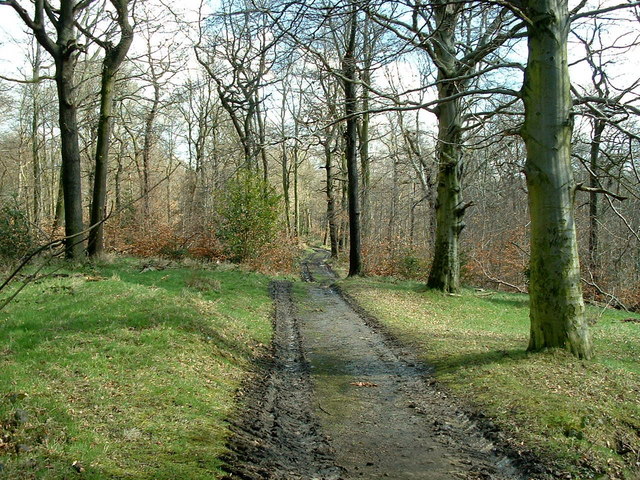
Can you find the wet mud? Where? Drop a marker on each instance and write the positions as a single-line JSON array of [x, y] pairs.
[[277, 435], [340, 400]]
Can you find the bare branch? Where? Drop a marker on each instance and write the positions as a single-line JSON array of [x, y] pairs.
[[26, 80], [600, 11], [583, 188]]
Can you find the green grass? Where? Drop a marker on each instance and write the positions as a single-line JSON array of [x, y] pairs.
[[581, 416], [129, 372]]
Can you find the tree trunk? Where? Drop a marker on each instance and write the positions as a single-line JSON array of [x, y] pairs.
[[58, 216], [445, 270], [111, 64], [286, 172], [364, 156], [594, 254], [98, 205], [331, 198], [286, 184], [71, 173], [262, 141], [343, 236], [149, 140], [296, 193], [351, 148], [369, 40], [393, 205], [35, 143], [365, 166], [118, 179], [557, 306]]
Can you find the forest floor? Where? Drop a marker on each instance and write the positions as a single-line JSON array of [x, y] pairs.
[[342, 400], [126, 368], [130, 368]]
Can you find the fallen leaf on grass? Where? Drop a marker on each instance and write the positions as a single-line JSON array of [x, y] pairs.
[[90, 278], [364, 384], [77, 466]]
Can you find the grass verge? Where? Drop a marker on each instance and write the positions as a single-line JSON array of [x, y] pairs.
[[126, 369], [582, 417]]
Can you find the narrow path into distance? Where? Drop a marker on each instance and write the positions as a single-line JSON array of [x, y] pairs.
[[383, 417], [339, 400]]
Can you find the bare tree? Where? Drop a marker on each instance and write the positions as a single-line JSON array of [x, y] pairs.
[[462, 40], [236, 50], [64, 49]]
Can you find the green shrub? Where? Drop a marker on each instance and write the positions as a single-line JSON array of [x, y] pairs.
[[410, 264], [15, 235], [249, 212]]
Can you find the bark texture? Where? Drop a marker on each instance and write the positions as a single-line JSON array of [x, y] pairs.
[[445, 270], [557, 306]]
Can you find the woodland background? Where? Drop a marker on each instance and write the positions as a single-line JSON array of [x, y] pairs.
[[255, 88]]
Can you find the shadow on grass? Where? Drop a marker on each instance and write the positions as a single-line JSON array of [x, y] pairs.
[[66, 314], [453, 363], [512, 301], [412, 286]]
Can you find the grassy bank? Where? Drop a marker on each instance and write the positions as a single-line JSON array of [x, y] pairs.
[[126, 369], [584, 417]]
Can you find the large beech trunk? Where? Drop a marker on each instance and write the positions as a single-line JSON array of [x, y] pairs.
[[557, 306], [445, 270]]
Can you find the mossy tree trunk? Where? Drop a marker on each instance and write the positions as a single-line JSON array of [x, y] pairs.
[[557, 306], [445, 270]]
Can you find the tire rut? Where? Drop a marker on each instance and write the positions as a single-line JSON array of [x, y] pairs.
[[385, 415], [277, 436], [339, 399]]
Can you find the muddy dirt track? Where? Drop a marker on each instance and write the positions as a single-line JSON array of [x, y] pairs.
[[340, 400]]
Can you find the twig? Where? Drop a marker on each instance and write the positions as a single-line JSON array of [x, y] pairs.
[[497, 280], [584, 188], [49, 245], [27, 281], [611, 296]]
